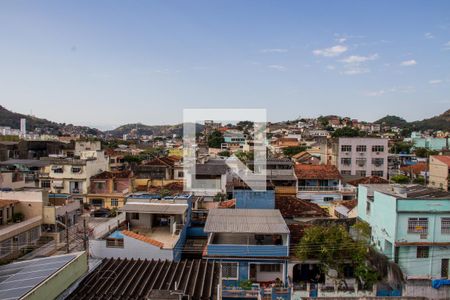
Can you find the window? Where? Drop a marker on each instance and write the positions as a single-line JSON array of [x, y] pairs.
[[34, 233], [361, 173], [361, 148], [346, 148], [377, 161], [368, 208], [343, 172], [114, 202], [270, 268], [327, 199], [445, 225], [378, 148], [99, 185], [423, 251], [135, 216], [444, 268], [97, 202], [76, 169], [377, 173], [230, 270], [417, 225], [45, 184], [180, 174], [346, 161], [58, 170], [360, 162]]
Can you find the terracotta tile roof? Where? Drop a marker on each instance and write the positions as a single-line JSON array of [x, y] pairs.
[[5, 203], [110, 175], [143, 238], [416, 168], [350, 204], [173, 188], [306, 171], [292, 207], [443, 158], [228, 204], [368, 180]]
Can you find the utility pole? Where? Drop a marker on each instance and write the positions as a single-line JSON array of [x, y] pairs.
[[84, 235], [66, 219]]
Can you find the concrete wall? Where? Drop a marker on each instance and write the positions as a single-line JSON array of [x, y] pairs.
[[133, 248], [439, 174]]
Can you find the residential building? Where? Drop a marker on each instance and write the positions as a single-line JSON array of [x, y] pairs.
[[157, 228], [110, 189], [321, 184], [439, 172], [21, 216], [251, 244], [431, 143], [72, 175], [410, 225], [161, 168], [279, 174], [211, 177], [360, 157]]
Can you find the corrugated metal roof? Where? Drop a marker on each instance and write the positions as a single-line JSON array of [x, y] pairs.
[[246, 221], [162, 208]]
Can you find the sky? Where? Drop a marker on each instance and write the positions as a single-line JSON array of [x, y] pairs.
[[107, 63]]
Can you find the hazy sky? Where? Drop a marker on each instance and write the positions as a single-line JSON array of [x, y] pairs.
[[105, 63]]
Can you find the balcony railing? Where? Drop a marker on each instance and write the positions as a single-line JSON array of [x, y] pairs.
[[318, 188], [248, 250]]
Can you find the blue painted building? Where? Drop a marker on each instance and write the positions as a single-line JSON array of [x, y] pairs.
[[410, 225], [251, 244], [430, 143], [246, 198]]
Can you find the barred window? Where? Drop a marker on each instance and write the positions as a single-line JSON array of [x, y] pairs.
[[423, 252], [346, 148], [377, 173], [230, 270], [361, 148], [418, 225], [445, 225], [378, 148], [270, 268], [377, 161], [45, 184], [346, 161]]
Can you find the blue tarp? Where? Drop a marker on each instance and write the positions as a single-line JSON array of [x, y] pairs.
[[437, 283]]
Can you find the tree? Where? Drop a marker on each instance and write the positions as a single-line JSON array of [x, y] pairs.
[[323, 121], [347, 132], [400, 179], [224, 153], [132, 159], [424, 152], [215, 139], [291, 151], [334, 248], [401, 147]]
